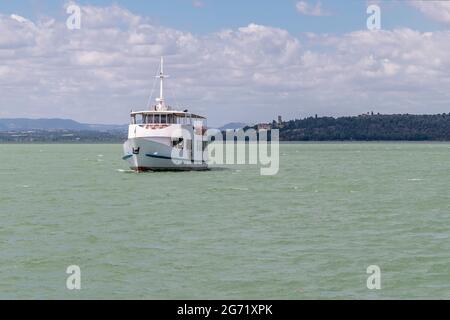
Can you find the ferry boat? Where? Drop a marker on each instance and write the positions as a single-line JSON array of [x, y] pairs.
[[163, 139]]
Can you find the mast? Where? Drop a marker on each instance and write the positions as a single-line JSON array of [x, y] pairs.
[[161, 106]]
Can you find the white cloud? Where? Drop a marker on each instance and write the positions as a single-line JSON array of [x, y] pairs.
[[436, 10], [307, 9], [253, 73], [19, 18]]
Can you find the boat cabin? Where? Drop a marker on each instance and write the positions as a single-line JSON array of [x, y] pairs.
[[165, 117]]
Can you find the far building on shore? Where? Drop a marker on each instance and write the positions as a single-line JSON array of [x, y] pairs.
[[264, 126], [269, 126]]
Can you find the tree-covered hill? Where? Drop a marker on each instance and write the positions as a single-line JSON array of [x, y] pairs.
[[368, 128]]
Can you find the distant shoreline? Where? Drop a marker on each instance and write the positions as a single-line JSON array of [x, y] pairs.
[[369, 127], [281, 142]]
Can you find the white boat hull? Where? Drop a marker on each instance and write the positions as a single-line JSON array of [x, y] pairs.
[[145, 154], [165, 139]]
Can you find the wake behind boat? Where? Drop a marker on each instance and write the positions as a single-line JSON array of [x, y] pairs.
[[163, 139]]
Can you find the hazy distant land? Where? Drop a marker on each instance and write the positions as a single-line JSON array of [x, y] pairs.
[[366, 127]]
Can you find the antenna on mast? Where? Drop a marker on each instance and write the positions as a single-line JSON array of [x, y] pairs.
[[161, 106]]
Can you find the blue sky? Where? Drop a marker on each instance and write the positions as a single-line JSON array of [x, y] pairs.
[[214, 15], [245, 61]]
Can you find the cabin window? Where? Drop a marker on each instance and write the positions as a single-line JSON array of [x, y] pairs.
[[163, 118], [157, 120], [140, 119], [133, 119]]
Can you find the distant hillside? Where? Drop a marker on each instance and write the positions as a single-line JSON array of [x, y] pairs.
[[373, 127], [62, 136], [22, 124]]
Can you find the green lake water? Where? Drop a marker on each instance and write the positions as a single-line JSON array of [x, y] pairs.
[[309, 232]]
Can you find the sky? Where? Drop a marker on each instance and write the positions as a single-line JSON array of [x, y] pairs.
[[233, 61]]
